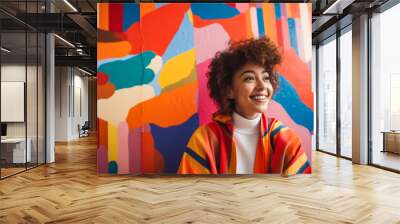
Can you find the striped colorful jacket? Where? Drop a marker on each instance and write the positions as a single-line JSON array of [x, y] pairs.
[[212, 150]]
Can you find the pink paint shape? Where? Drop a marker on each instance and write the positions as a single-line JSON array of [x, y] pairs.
[[206, 106], [123, 151], [283, 10], [102, 159], [135, 150], [254, 22], [209, 40], [242, 7], [300, 41], [277, 111]]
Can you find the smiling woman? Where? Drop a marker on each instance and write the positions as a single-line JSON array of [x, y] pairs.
[[242, 139]]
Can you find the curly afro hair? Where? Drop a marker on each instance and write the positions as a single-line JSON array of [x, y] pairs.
[[262, 52]]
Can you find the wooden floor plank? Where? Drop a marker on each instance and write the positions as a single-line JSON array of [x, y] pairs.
[[70, 191]]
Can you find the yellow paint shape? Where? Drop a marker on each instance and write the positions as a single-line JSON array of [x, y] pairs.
[[112, 142], [177, 68], [190, 14]]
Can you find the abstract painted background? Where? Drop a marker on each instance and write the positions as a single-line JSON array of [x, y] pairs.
[[152, 60]]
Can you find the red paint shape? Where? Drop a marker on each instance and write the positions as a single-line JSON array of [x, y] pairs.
[[299, 75], [102, 78], [295, 10], [135, 149], [156, 29], [102, 134], [134, 36], [279, 32], [105, 91], [116, 17], [152, 160]]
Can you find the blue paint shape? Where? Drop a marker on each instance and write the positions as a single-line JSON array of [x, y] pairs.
[[156, 85], [291, 102], [130, 72], [277, 7], [182, 41], [131, 14], [112, 167], [171, 141], [260, 20], [108, 60], [293, 35], [159, 5], [214, 10]]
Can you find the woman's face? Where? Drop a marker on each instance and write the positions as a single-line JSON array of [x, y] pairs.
[[251, 90]]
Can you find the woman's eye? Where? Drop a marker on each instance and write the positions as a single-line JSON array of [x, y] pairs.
[[267, 78], [248, 78]]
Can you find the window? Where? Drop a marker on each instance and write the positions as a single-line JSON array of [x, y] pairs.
[[346, 93], [385, 89], [327, 96]]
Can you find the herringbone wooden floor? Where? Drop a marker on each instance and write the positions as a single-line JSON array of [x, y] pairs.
[[70, 191]]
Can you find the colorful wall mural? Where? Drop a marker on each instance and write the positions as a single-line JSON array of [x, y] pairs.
[[152, 61]]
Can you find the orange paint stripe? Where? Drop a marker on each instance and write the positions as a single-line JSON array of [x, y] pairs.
[[113, 49], [295, 10], [149, 111], [145, 8], [270, 21], [103, 14], [248, 24], [288, 10]]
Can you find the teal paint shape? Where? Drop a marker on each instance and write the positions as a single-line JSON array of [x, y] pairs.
[[113, 167], [129, 72]]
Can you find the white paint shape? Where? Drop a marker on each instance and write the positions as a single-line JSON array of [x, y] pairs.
[[116, 108], [155, 64]]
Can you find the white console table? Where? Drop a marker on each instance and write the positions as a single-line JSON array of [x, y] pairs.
[[18, 149]]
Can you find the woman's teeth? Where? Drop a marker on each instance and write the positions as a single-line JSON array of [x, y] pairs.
[[259, 97]]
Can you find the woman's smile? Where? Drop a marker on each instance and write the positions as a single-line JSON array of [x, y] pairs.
[[251, 90]]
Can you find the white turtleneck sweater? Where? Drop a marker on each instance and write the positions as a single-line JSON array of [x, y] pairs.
[[246, 133]]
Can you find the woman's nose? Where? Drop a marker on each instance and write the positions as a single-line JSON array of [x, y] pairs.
[[261, 84]]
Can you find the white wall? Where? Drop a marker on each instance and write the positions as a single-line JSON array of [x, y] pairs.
[[61, 103], [16, 73], [71, 94], [33, 127]]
